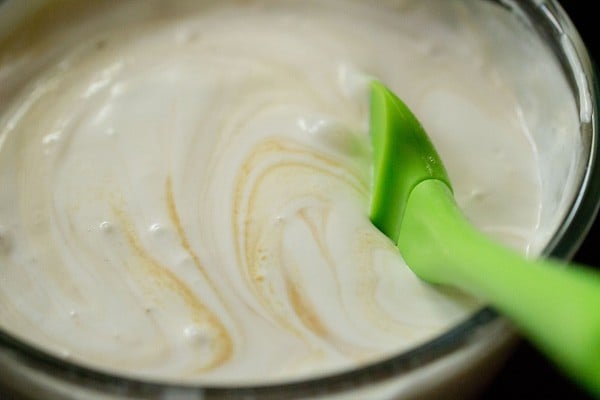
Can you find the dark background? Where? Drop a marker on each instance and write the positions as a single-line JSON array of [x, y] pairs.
[[527, 374]]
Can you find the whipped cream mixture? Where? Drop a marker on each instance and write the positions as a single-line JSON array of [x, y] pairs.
[[185, 184]]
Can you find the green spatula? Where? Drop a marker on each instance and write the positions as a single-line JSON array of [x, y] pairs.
[[556, 306]]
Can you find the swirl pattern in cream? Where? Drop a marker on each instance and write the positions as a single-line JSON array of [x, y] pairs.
[[185, 184]]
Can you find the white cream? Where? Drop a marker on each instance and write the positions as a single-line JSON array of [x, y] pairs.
[[185, 184]]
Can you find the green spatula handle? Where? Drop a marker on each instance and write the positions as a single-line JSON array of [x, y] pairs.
[[556, 306]]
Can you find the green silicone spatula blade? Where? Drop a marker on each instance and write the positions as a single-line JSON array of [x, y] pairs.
[[402, 159], [556, 306]]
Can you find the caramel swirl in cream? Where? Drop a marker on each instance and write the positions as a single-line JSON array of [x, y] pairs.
[[185, 184]]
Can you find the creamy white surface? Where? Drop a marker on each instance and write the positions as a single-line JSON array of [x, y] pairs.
[[185, 186]]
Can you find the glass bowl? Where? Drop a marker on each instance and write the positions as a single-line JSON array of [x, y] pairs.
[[456, 364]]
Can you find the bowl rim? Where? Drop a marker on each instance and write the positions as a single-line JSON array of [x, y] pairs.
[[563, 244]]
